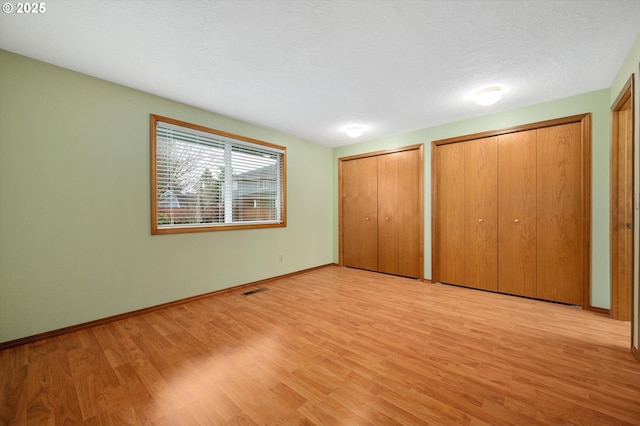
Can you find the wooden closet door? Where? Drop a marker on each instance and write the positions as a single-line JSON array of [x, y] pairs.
[[480, 214], [388, 218], [399, 213], [517, 213], [359, 213], [448, 177], [410, 213], [560, 214]]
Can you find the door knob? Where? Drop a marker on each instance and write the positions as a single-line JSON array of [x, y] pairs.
[[367, 218], [386, 218], [516, 221], [480, 220]]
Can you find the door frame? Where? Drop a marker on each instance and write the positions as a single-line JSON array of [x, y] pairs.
[[635, 316], [618, 288], [420, 148], [585, 124]]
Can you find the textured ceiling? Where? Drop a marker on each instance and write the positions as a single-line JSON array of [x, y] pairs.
[[309, 68]]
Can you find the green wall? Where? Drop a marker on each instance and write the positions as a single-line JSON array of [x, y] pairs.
[[596, 103], [75, 242]]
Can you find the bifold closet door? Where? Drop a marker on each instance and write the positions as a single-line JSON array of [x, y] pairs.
[[466, 213], [360, 213], [480, 207], [449, 213], [560, 212], [511, 210], [399, 213], [517, 222]]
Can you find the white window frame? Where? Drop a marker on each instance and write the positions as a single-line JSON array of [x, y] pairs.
[[247, 152]]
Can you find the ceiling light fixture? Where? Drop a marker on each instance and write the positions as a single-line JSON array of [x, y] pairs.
[[354, 131], [489, 96]]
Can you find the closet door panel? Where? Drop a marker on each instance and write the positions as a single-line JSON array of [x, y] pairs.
[[388, 213], [359, 213], [517, 213], [409, 213], [449, 213], [480, 214], [560, 214]]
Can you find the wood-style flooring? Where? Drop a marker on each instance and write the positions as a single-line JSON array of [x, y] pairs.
[[333, 346]]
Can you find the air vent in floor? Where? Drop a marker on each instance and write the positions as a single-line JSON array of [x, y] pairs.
[[257, 290]]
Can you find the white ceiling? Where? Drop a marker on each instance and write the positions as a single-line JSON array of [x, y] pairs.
[[310, 67]]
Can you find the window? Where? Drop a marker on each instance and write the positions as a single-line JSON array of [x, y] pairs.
[[205, 180]]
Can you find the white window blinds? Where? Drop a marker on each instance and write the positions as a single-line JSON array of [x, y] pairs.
[[209, 179]]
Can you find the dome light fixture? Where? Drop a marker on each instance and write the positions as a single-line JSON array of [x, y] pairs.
[[354, 131], [489, 96]]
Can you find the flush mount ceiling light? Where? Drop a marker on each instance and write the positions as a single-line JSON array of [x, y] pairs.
[[354, 131], [489, 96]]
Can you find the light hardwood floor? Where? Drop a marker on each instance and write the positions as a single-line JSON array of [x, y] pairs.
[[333, 346]]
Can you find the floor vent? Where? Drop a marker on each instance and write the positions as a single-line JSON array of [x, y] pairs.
[[257, 290]]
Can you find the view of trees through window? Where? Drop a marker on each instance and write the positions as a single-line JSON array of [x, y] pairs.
[[207, 179]]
